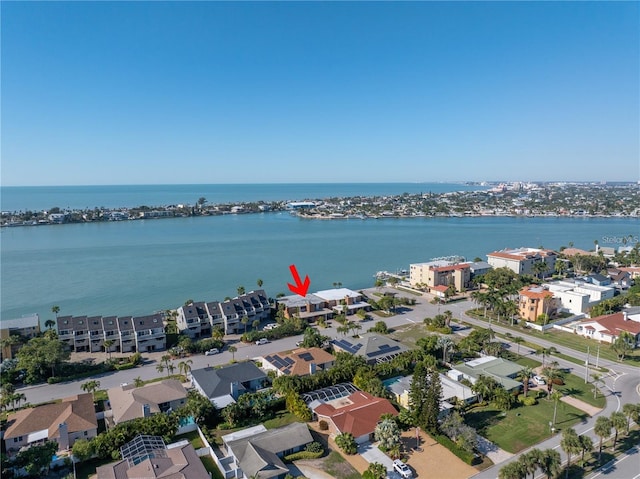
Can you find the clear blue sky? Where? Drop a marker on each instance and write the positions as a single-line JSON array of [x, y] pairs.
[[213, 92]]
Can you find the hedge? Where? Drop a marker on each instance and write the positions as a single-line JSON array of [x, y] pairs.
[[466, 456], [122, 367], [303, 455]]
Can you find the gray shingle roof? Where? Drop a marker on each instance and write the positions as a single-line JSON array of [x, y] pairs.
[[217, 382]]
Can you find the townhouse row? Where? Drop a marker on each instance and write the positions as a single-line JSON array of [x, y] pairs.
[[197, 319]]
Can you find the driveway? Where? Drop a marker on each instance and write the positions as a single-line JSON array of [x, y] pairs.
[[372, 454]]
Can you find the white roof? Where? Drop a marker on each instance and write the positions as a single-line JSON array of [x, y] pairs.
[[250, 431], [37, 436], [477, 362], [29, 321], [336, 294]]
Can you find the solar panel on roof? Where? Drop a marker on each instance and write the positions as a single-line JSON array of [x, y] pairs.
[[288, 361], [306, 356], [382, 351]]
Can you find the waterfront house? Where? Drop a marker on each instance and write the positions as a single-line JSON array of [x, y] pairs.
[[64, 422], [299, 362], [373, 348], [534, 301], [26, 327], [522, 260], [343, 300], [310, 307], [258, 452], [358, 414], [149, 457], [608, 327], [224, 385], [129, 402]]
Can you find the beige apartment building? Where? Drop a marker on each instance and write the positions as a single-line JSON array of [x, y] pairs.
[[536, 300], [432, 275]]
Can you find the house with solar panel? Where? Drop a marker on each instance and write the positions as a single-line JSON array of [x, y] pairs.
[[299, 362], [150, 457], [372, 347]]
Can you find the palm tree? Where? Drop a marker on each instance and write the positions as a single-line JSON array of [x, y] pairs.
[[255, 324], [245, 321], [91, 387], [631, 411], [185, 367], [138, 382], [107, 346], [570, 444], [525, 375], [55, 310], [513, 470], [618, 421], [160, 368], [550, 463], [170, 369], [531, 461], [217, 333], [586, 445], [602, 430], [49, 323], [259, 283], [241, 290], [444, 343], [596, 380], [232, 349], [518, 340], [483, 386], [555, 397]]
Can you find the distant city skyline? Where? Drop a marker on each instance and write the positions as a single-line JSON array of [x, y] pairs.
[[107, 93]]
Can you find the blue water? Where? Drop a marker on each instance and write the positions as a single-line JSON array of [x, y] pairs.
[[138, 267], [36, 198]]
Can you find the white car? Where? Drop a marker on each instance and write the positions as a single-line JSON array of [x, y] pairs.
[[539, 381], [402, 469], [212, 351], [262, 341]]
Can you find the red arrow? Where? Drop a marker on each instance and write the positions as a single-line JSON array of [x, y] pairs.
[[300, 287]]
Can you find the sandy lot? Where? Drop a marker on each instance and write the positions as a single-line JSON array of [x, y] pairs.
[[434, 461]]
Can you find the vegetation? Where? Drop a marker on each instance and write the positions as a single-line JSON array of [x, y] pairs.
[[347, 443]]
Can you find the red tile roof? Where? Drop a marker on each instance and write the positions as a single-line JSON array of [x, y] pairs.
[[361, 416], [530, 292], [615, 324]]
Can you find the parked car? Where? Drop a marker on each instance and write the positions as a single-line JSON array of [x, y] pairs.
[[270, 326], [539, 380], [402, 469], [212, 351], [262, 341]]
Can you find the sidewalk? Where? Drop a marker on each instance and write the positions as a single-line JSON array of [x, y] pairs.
[[492, 451]]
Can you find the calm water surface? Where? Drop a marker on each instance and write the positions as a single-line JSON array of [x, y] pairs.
[[138, 267]]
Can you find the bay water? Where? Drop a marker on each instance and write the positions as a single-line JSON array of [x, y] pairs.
[[139, 267]]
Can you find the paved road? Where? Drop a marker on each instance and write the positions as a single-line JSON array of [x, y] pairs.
[[621, 385]]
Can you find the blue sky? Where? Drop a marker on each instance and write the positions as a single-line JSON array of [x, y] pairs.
[[214, 92]]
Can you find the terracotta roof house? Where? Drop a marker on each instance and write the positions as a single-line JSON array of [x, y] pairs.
[[299, 362], [358, 414], [258, 452], [373, 347], [129, 402], [536, 300], [608, 327], [224, 385], [64, 422], [147, 457]]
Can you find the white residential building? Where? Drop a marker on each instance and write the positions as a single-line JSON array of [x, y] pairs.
[[577, 297]]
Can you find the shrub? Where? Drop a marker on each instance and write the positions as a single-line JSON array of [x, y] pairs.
[[466, 456], [347, 443], [527, 401], [314, 447], [322, 424], [303, 455]]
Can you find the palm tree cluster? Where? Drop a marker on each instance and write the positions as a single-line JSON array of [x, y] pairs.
[[547, 461], [10, 396], [499, 297]]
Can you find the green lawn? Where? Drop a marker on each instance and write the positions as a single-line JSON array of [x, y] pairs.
[[523, 426], [575, 386], [193, 437], [88, 468], [336, 466], [282, 418]]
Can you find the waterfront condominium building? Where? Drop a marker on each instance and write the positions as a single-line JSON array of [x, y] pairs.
[[199, 318], [536, 300], [128, 333], [523, 260], [433, 275]]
